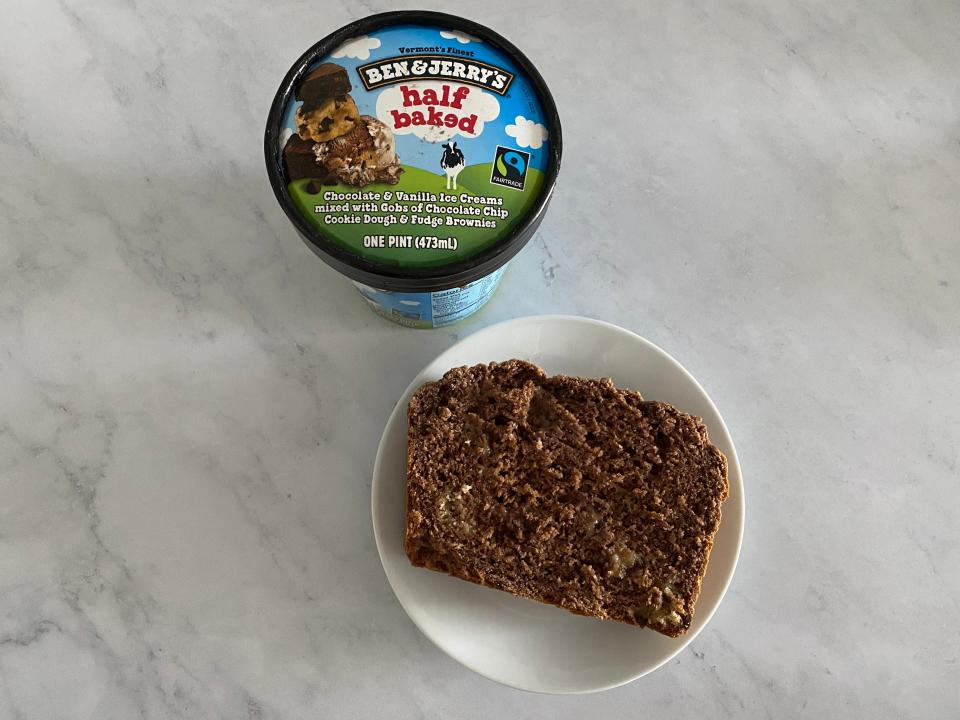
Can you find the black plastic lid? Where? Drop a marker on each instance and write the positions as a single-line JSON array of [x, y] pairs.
[[391, 277]]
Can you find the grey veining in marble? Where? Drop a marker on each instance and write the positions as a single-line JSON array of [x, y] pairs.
[[190, 401]]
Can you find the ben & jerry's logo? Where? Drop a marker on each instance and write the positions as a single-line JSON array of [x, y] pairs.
[[407, 68]]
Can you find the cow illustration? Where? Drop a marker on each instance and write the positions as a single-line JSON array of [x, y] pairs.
[[452, 163]]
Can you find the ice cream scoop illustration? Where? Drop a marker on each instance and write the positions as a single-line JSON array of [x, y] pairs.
[[334, 142]]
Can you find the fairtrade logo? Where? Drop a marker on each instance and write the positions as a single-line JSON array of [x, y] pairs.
[[510, 168], [511, 162]]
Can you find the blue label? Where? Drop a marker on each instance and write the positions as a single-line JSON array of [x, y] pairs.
[[432, 309]]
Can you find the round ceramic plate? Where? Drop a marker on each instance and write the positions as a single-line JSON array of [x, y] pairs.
[[520, 642]]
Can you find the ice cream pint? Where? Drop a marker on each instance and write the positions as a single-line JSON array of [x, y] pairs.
[[416, 153]]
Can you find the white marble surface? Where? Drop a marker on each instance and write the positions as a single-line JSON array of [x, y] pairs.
[[190, 401]]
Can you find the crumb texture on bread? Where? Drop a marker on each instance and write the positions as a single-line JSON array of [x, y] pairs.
[[564, 490]]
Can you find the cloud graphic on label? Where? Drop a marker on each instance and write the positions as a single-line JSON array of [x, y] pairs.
[[460, 36], [527, 132], [431, 113], [358, 47]]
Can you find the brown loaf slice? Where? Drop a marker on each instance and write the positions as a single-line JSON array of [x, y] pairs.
[[563, 490]]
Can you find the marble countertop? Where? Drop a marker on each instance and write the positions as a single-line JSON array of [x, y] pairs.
[[190, 401]]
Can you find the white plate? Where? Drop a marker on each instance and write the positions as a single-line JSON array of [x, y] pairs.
[[519, 642]]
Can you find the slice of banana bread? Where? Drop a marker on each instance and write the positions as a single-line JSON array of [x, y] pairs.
[[563, 490]]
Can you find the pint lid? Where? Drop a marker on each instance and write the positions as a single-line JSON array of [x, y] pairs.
[[414, 143]]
